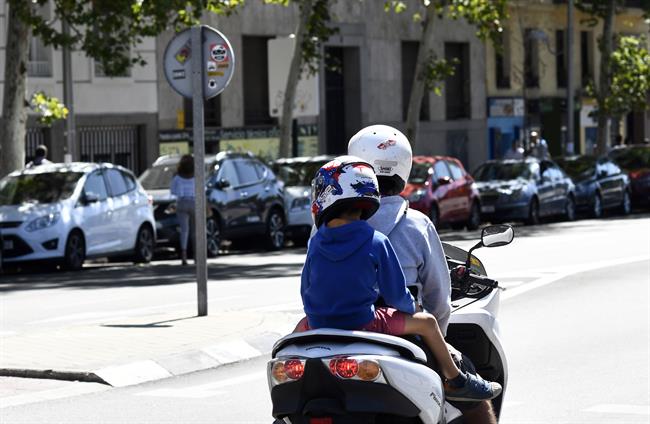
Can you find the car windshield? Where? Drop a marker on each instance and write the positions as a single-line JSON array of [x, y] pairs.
[[632, 158], [580, 168], [419, 173], [46, 187], [159, 177], [502, 171], [298, 173]]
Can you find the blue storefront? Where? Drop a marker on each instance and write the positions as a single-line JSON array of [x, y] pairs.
[[505, 124]]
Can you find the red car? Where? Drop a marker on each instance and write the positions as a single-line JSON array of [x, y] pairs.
[[440, 187], [635, 160]]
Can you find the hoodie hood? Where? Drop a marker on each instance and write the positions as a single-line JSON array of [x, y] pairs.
[[338, 243], [392, 210]]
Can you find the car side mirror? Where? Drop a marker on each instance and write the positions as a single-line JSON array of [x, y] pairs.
[[443, 180], [221, 184], [497, 235], [89, 198]]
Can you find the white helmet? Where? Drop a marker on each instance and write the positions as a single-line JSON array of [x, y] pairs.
[[344, 182], [387, 150]]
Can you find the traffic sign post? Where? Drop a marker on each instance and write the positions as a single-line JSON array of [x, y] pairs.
[[199, 64]]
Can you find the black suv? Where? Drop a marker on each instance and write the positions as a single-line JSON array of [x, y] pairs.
[[243, 195]]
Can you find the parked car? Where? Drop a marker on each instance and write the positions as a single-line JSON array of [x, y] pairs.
[[243, 195], [296, 175], [635, 160], [70, 212], [439, 187], [526, 189], [600, 184]]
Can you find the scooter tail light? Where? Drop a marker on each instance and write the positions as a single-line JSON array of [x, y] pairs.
[[283, 371], [368, 370], [354, 368]]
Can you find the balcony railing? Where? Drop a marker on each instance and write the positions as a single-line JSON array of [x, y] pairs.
[[42, 68]]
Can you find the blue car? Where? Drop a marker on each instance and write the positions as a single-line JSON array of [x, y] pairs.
[[524, 190], [600, 184]]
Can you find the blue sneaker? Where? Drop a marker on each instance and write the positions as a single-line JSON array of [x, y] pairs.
[[475, 388]]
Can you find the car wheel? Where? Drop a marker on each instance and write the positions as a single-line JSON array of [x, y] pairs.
[[533, 212], [626, 204], [75, 251], [434, 216], [570, 209], [275, 230], [597, 208], [213, 237], [144, 245], [474, 217]]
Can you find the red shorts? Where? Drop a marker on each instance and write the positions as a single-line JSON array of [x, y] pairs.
[[387, 321]]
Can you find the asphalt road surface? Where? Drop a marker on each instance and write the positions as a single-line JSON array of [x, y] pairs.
[[574, 318]]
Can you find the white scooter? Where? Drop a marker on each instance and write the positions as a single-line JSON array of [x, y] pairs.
[[329, 376]]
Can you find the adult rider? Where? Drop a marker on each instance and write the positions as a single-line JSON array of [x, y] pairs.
[[413, 236]]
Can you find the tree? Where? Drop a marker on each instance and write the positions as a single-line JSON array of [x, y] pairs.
[[105, 30], [617, 71], [430, 71], [311, 32]]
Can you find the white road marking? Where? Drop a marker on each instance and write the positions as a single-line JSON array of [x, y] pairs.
[[64, 392], [544, 281], [204, 390], [620, 409]]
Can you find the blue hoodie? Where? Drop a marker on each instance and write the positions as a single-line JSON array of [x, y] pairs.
[[344, 268]]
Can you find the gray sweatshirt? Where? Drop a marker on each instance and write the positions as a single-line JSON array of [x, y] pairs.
[[418, 248]]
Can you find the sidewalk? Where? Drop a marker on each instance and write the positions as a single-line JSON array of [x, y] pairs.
[[128, 351]]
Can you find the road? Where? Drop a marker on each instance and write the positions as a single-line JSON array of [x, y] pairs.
[[575, 321]]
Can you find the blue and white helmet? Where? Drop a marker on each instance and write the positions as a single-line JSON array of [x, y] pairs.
[[342, 183]]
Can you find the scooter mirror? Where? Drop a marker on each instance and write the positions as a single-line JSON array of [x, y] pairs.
[[497, 235]]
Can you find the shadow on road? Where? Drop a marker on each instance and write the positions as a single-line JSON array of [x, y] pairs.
[[99, 276]]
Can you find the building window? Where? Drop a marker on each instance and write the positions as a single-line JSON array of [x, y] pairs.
[[99, 72], [502, 61], [560, 59], [531, 58], [256, 81], [39, 61], [211, 112], [409, 59], [457, 86], [586, 57]]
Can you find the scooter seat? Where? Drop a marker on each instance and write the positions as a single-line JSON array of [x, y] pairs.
[[404, 347]]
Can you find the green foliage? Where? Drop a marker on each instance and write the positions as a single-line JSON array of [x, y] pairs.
[[486, 15], [436, 70], [630, 78], [107, 30], [50, 109]]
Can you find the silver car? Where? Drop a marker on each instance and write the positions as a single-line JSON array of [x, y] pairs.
[[296, 174]]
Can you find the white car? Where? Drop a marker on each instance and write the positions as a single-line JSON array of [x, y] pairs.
[[70, 212]]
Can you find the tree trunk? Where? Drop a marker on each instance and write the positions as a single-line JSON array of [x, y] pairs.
[[418, 87], [604, 79], [292, 81], [14, 113]]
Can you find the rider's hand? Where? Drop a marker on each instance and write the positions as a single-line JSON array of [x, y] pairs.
[[458, 271]]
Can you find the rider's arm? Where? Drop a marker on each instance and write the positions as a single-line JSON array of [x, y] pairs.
[[436, 284], [390, 280]]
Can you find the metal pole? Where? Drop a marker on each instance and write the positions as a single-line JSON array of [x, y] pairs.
[[200, 253], [570, 147], [68, 100]]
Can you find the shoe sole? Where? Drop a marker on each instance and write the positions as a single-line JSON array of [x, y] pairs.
[[462, 399]]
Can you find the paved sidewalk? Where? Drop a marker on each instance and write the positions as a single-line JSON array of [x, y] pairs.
[[129, 351]]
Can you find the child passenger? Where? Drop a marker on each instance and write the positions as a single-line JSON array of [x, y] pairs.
[[347, 261]]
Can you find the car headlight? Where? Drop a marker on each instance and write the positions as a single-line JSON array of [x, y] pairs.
[[43, 222], [301, 203], [417, 195]]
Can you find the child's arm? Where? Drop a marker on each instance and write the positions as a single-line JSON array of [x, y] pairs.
[[391, 281]]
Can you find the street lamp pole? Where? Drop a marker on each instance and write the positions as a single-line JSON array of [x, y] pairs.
[[68, 100], [569, 147]]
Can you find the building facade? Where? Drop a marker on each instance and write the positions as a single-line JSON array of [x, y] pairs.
[[375, 53], [116, 118], [527, 79]]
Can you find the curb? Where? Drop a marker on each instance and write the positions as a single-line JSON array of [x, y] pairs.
[[137, 372]]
